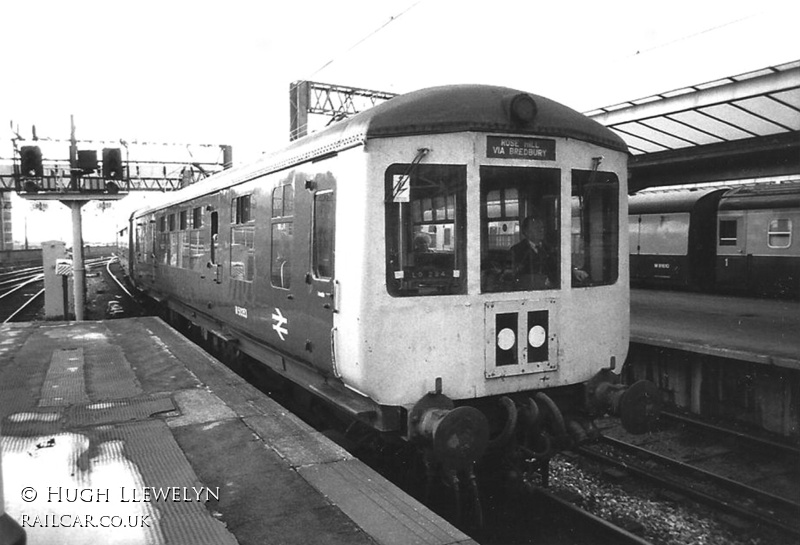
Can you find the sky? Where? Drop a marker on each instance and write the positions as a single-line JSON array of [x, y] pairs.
[[219, 72]]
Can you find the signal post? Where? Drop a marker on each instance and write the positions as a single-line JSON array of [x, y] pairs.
[[33, 184]]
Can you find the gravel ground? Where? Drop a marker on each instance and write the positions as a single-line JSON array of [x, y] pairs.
[[647, 513]]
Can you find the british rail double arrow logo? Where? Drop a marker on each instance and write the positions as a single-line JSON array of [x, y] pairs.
[[280, 322]]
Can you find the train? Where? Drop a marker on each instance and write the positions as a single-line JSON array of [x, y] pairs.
[[739, 239], [370, 264]]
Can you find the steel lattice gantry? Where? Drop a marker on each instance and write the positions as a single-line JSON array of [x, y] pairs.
[[336, 101], [745, 126]]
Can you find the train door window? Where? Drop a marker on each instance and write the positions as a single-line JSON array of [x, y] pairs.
[[240, 209], [138, 242], [197, 217], [425, 229], [728, 232], [595, 228], [520, 242], [242, 264], [779, 234], [197, 239], [282, 235], [323, 234], [214, 237], [161, 240], [172, 242]]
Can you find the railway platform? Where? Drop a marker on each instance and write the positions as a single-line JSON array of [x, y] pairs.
[[123, 431], [720, 356], [765, 331]]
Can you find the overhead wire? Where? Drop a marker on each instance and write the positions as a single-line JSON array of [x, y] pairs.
[[695, 35], [365, 38]]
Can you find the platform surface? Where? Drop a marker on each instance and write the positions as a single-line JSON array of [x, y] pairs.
[[122, 431], [758, 330]]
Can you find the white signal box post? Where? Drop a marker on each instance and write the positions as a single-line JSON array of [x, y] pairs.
[[57, 273]]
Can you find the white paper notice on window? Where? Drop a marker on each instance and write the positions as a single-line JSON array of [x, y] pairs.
[[401, 188]]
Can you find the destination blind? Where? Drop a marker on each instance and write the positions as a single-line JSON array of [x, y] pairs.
[[504, 147]]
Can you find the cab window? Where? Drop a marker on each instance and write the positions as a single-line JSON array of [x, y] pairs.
[[520, 242], [322, 247], [595, 228], [425, 229]]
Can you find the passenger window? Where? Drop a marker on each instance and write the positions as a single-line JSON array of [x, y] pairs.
[[282, 235], [240, 209], [780, 233], [520, 242], [425, 229], [174, 242], [323, 236], [727, 233], [242, 265], [243, 253], [214, 236], [595, 228]]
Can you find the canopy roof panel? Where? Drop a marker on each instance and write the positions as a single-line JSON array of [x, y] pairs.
[[756, 104]]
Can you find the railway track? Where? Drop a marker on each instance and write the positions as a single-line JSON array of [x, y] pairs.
[[573, 516], [751, 482], [20, 297], [22, 291]]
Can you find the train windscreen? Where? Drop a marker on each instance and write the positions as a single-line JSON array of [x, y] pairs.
[[520, 223], [425, 229]]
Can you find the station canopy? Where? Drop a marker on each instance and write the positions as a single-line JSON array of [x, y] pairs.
[[740, 127]]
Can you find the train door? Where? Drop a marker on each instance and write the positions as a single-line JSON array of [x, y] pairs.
[[317, 298], [732, 260]]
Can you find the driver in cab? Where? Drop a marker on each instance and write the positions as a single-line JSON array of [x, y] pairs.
[[534, 262]]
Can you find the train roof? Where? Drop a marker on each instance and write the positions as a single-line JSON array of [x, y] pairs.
[[445, 109], [757, 196], [670, 200]]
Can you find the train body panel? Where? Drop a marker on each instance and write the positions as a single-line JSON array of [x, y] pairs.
[[672, 237], [757, 249], [408, 342], [742, 239]]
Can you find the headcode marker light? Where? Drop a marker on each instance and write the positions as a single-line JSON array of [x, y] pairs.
[[506, 339], [523, 108], [536, 336]]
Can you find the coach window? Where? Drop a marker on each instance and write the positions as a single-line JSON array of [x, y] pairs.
[[282, 235], [173, 241], [595, 228], [425, 229], [780, 233], [138, 242], [161, 241], [242, 240], [197, 239], [512, 200], [214, 247], [184, 242], [727, 233]]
